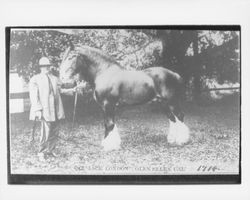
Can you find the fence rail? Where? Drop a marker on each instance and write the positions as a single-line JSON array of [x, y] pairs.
[[214, 89], [25, 95], [19, 95]]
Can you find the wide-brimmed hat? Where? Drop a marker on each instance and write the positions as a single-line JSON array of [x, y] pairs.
[[44, 62]]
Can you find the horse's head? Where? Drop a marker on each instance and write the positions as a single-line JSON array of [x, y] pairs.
[[68, 68], [87, 62]]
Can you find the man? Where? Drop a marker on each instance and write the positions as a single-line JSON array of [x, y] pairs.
[[46, 106]]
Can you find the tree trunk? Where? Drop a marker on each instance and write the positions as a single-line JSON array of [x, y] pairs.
[[165, 58], [196, 70]]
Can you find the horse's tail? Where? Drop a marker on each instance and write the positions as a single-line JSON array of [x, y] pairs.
[[177, 84], [180, 88]]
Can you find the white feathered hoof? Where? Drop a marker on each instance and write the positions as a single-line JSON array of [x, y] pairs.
[[179, 133], [112, 141]]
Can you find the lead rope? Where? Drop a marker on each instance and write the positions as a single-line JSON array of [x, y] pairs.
[[74, 112]]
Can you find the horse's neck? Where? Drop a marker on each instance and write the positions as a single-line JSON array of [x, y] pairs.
[[108, 68], [108, 71], [97, 66]]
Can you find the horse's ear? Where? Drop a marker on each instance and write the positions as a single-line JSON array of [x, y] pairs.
[[66, 53]]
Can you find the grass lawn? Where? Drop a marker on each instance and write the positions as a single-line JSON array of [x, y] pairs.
[[214, 146]]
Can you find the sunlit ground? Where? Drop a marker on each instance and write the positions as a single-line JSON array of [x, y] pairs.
[[214, 146]]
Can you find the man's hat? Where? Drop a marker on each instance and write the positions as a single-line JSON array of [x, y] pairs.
[[44, 61]]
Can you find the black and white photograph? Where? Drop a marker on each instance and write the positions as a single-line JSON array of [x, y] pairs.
[[132, 101]]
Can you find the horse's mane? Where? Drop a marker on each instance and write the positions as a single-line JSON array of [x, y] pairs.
[[95, 54]]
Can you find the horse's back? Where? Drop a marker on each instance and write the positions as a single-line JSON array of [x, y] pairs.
[[163, 73], [167, 82], [135, 87], [133, 78], [127, 87]]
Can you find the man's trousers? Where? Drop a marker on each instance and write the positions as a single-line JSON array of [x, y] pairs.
[[48, 137]]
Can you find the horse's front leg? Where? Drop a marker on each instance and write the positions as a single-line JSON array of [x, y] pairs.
[[111, 138]]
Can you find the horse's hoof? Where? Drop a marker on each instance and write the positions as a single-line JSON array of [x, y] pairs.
[[110, 148], [112, 141], [179, 133]]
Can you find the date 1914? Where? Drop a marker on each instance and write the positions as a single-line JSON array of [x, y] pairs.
[[206, 168]]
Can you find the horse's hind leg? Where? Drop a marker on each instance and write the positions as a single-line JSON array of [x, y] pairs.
[[168, 111], [178, 131], [177, 111], [112, 138]]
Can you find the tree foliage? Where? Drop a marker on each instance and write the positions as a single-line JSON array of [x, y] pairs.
[[132, 48], [27, 47], [194, 54]]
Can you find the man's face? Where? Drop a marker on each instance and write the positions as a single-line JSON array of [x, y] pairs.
[[45, 68]]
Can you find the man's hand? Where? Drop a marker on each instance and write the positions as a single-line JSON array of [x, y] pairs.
[[38, 114], [80, 87], [71, 91], [78, 90]]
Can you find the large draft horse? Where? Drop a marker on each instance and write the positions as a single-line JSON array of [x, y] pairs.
[[114, 86]]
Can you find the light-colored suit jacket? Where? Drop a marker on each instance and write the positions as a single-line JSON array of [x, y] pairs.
[[50, 103]]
